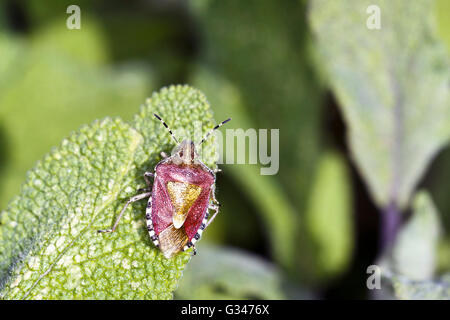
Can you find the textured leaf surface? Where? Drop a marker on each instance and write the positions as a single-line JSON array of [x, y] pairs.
[[49, 245], [392, 85], [224, 273]]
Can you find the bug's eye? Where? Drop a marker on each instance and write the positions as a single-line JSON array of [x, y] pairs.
[[181, 153]]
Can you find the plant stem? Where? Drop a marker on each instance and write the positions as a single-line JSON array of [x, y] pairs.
[[390, 223]]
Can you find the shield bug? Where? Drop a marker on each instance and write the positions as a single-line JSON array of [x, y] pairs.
[[179, 201]]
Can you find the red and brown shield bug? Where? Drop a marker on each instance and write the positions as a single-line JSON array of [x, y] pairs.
[[183, 192]]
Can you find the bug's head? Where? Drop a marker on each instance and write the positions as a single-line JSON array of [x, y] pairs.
[[185, 152]]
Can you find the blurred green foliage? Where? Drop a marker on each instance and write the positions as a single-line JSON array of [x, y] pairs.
[[260, 63], [329, 216], [224, 273], [415, 250], [273, 74], [392, 87], [442, 12], [53, 83]]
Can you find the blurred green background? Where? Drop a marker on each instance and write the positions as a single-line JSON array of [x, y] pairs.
[[310, 231]]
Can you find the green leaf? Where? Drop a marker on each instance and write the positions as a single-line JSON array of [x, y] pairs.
[[414, 253], [12, 53], [88, 47], [411, 264], [56, 10], [329, 217], [443, 256], [225, 273], [392, 85], [48, 88], [442, 11], [49, 245]]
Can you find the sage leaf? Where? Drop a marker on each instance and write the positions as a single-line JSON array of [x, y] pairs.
[[392, 85], [415, 251], [409, 268]]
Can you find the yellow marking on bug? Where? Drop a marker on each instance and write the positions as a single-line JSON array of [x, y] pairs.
[[183, 196]]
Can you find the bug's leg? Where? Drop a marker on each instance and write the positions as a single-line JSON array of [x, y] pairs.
[[164, 155], [132, 199], [213, 195], [148, 175], [217, 170], [214, 207]]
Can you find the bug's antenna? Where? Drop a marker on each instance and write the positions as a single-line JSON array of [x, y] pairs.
[[167, 127], [211, 131]]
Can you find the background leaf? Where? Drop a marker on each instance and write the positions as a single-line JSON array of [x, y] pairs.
[[49, 244], [226, 273], [415, 250], [437, 180], [276, 83], [329, 217], [410, 265], [442, 12], [392, 85]]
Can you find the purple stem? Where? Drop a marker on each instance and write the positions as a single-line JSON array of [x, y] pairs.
[[390, 223]]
